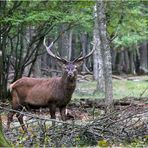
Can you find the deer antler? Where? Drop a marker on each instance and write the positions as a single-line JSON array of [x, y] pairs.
[[80, 57], [48, 48]]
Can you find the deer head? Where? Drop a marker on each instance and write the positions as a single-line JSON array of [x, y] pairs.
[[70, 67]]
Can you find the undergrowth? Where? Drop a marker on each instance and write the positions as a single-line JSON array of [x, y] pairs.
[[121, 89]]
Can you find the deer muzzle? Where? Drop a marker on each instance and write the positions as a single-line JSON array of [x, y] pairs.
[[70, 74]]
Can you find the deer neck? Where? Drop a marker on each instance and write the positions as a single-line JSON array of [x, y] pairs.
[[69, 84]]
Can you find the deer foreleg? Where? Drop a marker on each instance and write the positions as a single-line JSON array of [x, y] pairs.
[[52, 113], [63, 113]]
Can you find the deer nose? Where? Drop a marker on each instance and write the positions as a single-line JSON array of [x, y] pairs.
[[70, 73]]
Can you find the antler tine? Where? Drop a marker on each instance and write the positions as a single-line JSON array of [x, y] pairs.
[[48, 48], [80, 58], [80, 55]]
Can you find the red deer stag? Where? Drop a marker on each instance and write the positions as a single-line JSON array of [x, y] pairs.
[[55, 92]]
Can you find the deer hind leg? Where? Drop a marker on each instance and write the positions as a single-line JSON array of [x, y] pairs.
[[63, 113], [14, 107], [20, 119], [10, 119]]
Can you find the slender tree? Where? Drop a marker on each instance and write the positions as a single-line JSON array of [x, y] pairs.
[[144, 57], [97, 57], [0, 74], [106, 54]]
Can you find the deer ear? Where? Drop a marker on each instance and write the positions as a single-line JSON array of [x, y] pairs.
[[63, 66]]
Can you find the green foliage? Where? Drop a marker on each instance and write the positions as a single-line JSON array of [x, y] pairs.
[[3, 141], [84, 140], [38, 12], [127, 21], [137, 143], [103, 143], [128, 40]]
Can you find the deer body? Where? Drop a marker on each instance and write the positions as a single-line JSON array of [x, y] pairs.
[[54, 92], [43, 92]]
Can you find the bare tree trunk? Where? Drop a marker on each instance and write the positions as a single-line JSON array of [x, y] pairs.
[[4, 76], [1, 61], [64, 42], [0, 74], [97, 58], [84, 43], [3, 141], [114, 56], [36, 71], [4, 60], [127, 63], [73, 46], [28, 35], [105, 47], [34, 68], [44, 65], [120, 62], [132, 65], [143, 58]]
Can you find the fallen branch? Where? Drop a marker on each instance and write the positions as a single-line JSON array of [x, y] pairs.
[[121, 125]]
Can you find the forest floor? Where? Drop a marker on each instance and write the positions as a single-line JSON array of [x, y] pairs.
[[127, 124]]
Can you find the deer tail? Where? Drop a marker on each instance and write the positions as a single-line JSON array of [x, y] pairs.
[[11, 87]]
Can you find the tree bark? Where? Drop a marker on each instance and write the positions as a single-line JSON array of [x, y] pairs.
[[0, 74], [97, 58], [114, 56], [1, 71], [64, 42], [36, 70], [120, 64], [143, 58], [105, 47], [132, 65], [36, 65], [127, 62], [3, 63], [85, 50]]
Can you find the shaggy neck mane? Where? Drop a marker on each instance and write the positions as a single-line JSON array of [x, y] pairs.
[[68, 84]]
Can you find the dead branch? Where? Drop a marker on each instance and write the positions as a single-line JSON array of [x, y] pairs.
[[121, 125]]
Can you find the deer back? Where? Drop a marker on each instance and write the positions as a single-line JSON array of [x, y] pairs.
[[41, 92]]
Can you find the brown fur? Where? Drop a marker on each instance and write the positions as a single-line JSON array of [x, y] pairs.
[[36, 92], [52, 93]]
